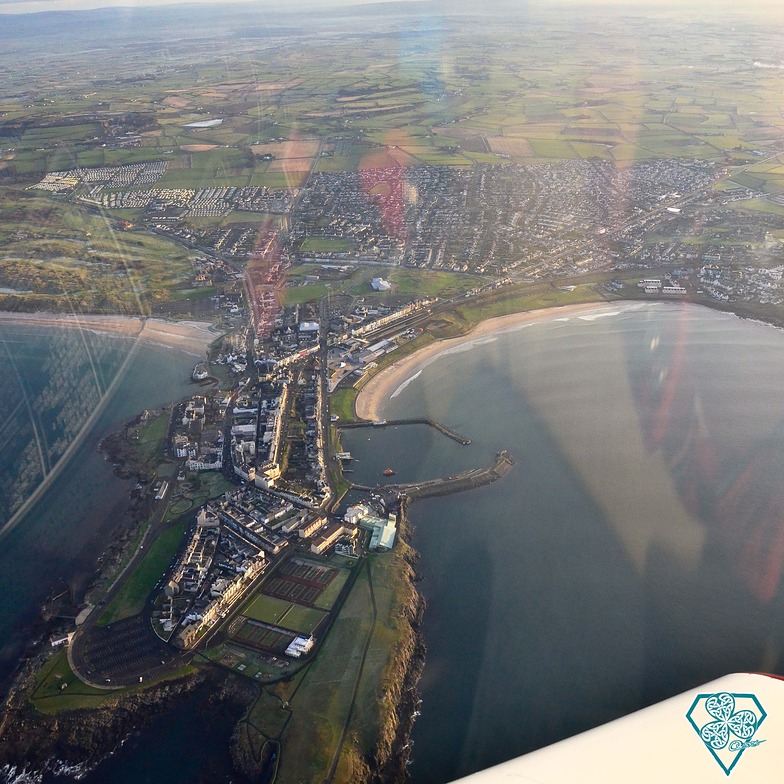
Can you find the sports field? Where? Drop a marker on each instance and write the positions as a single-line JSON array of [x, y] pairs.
[[288, 615], [307, 583], [266, 608], [260, 636]]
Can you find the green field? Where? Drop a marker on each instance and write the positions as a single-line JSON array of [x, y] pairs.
[[361, 652], [69, 258], [288, 615], [297, 295], [131, 598], [320, 706], [329, 595], [56, 689], [267, 609], [301, 619], [426, 283], [151, 438], [342, 403]]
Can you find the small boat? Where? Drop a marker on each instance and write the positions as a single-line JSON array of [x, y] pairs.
[[389, 472]]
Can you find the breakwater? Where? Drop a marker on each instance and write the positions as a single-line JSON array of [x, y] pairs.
[[448, 432], [465, 480]]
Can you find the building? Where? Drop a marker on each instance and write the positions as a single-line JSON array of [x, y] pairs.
[[382, 530], [310, 527], [300, 646], [323, 542]]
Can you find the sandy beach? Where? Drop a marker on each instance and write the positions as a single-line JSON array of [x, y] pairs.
[[377, 391], [192, 337]]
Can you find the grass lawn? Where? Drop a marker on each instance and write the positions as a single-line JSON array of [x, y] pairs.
[[206, 485], [342, 403], [331, 592], [132, 596], [55, 683], [57, 689], [152, 436], [301, 619], [529, 301], [279, 612], [267, 609], [320, 705], [759, 205], [296, 295], [380, 671], [423, 283], [214, 483]]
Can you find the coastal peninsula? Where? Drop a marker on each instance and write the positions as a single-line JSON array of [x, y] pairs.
[[348, 195]]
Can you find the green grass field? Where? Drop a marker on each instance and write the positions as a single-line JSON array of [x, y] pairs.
[[151, 438], [278, 612], [56, 689], [301, 619], [330, 594], [267, 609], [342, 403], [320, 705], [297, 295], [131, 598]]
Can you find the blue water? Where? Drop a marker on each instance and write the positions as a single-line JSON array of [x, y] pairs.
[[635, 550], [65, 375], [190, 743]]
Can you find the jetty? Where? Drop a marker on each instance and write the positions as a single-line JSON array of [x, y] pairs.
[[448, 432], [465, 480]]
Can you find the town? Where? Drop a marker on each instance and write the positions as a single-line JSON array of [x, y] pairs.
[[559, 219], [329, 202]]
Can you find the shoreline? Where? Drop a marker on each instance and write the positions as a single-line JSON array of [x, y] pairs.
[[191, 337], [382, 387]]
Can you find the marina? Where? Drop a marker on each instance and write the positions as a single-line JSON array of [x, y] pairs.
[[448, 432], [457, 483]]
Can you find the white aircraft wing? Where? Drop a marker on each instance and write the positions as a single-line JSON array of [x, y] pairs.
[[731, 729]]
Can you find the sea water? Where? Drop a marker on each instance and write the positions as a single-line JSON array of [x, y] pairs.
[[66, 388], [634, 551]]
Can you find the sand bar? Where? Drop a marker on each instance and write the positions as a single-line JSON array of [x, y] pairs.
[[192, 337], [377, 391]]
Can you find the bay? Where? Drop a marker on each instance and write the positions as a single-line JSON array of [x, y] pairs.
[[636, 548], [57, 380]]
